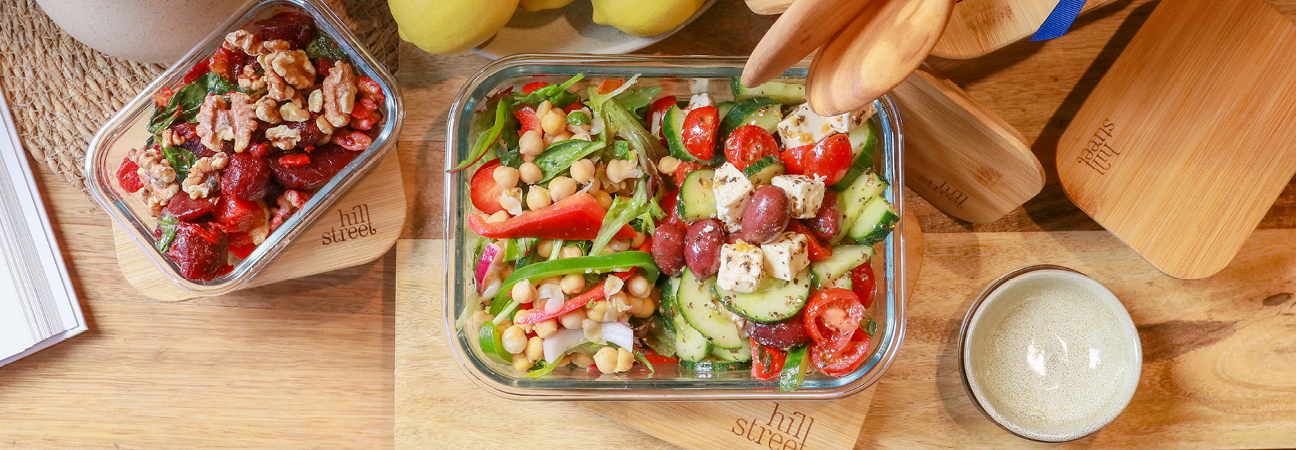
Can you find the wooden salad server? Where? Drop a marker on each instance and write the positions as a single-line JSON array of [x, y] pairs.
[[769, 7], [878, 50], [804, 27]]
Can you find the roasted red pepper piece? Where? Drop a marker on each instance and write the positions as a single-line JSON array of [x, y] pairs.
[[539, 315], [128, 176], [818, 251], [295, 160], [767, 362], [526, 117], [531, 87], [575, 218]]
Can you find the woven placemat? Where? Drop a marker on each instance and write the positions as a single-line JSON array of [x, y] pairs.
[[60, 91]]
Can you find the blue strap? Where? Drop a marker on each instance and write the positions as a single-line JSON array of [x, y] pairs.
[[1059, 21]]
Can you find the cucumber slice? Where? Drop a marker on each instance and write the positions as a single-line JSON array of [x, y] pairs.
[[673, 130], [690, 345], [715, 366], [844, 259], [742, 354], [874, 223], [774, 299], [761, 111], [794, 369], [786, 93], [724, 107], [763, 171], [854, 199], [697, 196], [864, 140], [699, 307]]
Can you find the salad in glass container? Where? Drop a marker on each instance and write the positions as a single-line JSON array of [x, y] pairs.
[[247, 138], [620, 227]]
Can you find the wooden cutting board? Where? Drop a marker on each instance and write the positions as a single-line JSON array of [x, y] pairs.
[[428, 386], [960, 156], [978, 27], [362, 226], [1191, 135]]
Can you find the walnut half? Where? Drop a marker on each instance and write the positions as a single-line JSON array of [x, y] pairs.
[[219, 121], [339, 94], [158, 177], [283, 137], [204, 176]]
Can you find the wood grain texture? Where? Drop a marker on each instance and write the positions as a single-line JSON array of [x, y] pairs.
[[430, 391], [978, 27], [959, 155], [885, 42], [1189, 137], [376, 203], [768, 7], [1217, 369], [806, 26]]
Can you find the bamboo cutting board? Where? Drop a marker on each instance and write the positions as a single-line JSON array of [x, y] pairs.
[[959, 156], [1190, 137], [361, 227]]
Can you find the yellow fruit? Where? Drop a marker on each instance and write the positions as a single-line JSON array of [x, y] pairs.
[[450, 26], [644, 17], [538, 5]]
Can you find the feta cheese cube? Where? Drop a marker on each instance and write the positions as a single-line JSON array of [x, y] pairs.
[[732, 190], [805, 127], [805, 194], [786, 256], [700, 100], [740, 267]]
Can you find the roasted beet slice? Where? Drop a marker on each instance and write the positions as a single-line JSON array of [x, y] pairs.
[[237, 215], [325, 162], [198, 251], [292, 26], [310, 133], [246, 177], [187, 209]]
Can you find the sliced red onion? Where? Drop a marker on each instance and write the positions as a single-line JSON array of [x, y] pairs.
[[563, 340], [619, 333], [492, 255]]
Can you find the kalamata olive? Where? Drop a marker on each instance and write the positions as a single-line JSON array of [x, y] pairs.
[[827, 221], [668, 248], [766, 215], [702, 247], [781, 335]]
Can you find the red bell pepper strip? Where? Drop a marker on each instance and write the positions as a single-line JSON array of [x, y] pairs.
[[653, 358], [526, 116], [575, 218], [531, 87], [818, 251], [539, 315]]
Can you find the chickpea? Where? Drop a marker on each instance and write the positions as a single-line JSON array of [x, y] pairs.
[[583, 171], [535, 348], [543, 108], [480, 318], [581, 360], [566, 359], [530, 173], [521, 363], [594, 185], [531, 143], [511, 199], [544, 248], [524, 292], [636, 307], [596, 312], [526, 327], [573, 284], [643, 308], [619, 170], [506, 176], [563, 136], [505, 324], [619, 302], [561, 188], [547, 328], [553, 123], [668, 164], [624, 361], [538, 197], [639, 286], [514, 340], [604, 199], [572, 320], [638, 240], [612, 285], [571, 251], [606, 359], [499, 216]]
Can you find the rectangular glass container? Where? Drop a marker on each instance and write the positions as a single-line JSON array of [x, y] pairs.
[[674, 75], [127, 130]]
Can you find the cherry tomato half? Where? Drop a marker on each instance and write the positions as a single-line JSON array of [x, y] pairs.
[[609, 85], [527, 118], [681, 172], [657, 113], [818, 252], [699, 133], [830, 159], [844, 361], [483, 189], [767, 362], [748, 144], [863, 284], [669, 205], [795, 158], [831, 317]]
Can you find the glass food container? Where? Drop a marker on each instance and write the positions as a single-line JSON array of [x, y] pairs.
[[669, 382], [127, 130]]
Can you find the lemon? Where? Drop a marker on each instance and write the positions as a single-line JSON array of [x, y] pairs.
[[537, 5], [450, 26], [644, 17]]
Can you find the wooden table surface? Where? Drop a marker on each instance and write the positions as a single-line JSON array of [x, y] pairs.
[[309, 363]]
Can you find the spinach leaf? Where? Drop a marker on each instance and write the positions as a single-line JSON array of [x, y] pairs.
[[621, 150], [641, 358], [620, 214], [557, 94], [180, 160], [184, 104], [519, 247], [561, 155], [488, 137], [509, 158], [322, 46], [168, 225]]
